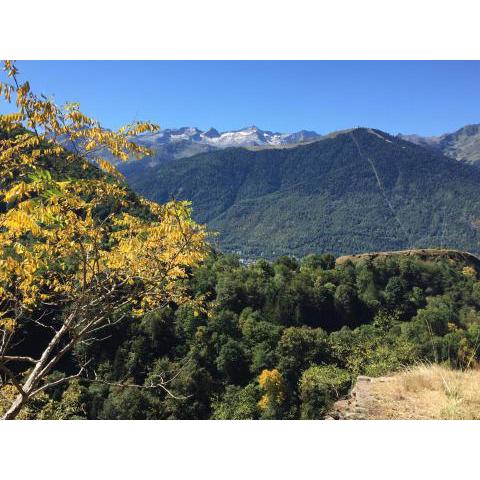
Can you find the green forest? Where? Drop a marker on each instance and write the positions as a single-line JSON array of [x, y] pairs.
[[323, 196], [281, 340]]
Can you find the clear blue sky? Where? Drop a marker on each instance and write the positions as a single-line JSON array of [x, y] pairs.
[[422, 97]]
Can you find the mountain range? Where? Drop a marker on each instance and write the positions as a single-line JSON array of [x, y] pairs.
[[352, 191], [246, 137], [462, 145], [170, 144]]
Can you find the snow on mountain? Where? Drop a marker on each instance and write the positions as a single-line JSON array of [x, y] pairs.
[[246, 137]]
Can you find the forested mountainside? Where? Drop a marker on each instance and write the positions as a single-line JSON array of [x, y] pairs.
[[360, 190], [462, 145]]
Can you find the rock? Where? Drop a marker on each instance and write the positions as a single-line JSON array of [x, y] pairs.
[[357, 404]]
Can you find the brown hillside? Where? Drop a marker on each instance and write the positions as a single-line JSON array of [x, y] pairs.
[[424, 392]]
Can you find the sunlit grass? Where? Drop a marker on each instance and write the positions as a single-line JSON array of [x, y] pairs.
[[427, 392]]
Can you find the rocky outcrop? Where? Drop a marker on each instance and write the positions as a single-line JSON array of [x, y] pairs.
[[359, 402]]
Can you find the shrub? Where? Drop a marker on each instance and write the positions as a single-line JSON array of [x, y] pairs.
[[237, 404], [319, 386]]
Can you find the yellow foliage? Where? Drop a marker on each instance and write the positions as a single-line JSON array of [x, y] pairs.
[[469, 271], [18, 222], [8, 324], [55, 250], [108, 167], [272, 383], [17, 192]]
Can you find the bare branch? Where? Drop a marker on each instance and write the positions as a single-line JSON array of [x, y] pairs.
[[60, 381], [17, 358], [151, 386]]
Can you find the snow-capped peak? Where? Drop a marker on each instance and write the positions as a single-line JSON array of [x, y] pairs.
[[245, 137]]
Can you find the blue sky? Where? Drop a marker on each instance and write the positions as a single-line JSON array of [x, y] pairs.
[[422, 97]]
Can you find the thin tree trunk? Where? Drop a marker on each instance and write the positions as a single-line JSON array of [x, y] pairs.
[[37, 373], [15, 408]]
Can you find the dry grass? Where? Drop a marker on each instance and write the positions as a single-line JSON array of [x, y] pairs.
[[426, 392]]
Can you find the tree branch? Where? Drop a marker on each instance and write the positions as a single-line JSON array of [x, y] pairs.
[[60, 381], [17, 358], [14, 381], [152, 386]]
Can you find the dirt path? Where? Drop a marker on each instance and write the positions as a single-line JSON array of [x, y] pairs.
[[360, 402]]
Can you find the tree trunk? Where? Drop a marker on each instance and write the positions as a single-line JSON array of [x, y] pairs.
[[36, 375], [15, 407]]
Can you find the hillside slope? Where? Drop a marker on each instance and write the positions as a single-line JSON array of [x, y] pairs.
[[361, 190], [462, 145], [423, 392]]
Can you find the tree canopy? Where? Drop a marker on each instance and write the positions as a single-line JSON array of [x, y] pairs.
[[78, 250]]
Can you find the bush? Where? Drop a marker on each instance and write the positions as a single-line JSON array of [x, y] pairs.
[[237, 404], [300, 348], [319, 386]]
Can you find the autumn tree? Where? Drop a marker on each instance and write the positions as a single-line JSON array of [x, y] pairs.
[[273, 385], [78, 250]]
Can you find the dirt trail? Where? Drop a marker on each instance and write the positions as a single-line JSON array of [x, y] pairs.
[[359, 402]]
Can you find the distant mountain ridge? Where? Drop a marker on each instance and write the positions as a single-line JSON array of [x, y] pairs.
[[353, 191], [462, 145], [174, 143], [246, 137]]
